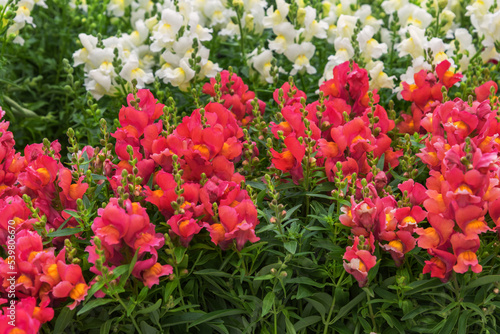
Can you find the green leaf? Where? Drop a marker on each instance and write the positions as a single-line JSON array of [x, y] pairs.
[[64, 232], [415, 312], [63, 320], [267, 303], [307, 322], [346, 308], [130, 268], [256, 185], [450, 321], [73, 214], [303, 292], [169, 289], [106, 327], [179, 253], [264, 277], [290, 246], [380, 163], [147, 329], [98, 177], [290, 329], [96, 287], [483, 280], [151, 308], [306, 280], [215, 315], [212, 272], [93, 304], [462, 323], [419, 286]]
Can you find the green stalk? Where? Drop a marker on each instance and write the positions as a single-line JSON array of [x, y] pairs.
[[131, 316]]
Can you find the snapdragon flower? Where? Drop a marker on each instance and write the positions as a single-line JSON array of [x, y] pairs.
[[300, 55]]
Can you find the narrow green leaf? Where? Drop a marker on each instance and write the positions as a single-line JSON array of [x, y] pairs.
[[290, 329], [215, 315], [63, 320], [415, 312], [124, 278], [212, 272], [151, 308], [306, 322], [169, 288], [93, 304], [450, 322], [147, 329], [106, 327], [482, 281], [267, 303], [346, 308], [64, 232]]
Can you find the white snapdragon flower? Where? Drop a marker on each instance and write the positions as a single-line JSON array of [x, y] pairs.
[[197, 30], [415, 44], [275, 17], [300, 55], [14, 30], [464, 39], [285, 36], [370, 48], [313, 28], [343, 7], [218, 15], [81, 56], [438, 48], [379, 79], [117, 7], [208, 69], [262, 63], [346, 25], [23, 13], [138, 37], [490, 27], [365, 17], [177, 77], [414, 15], [101, 80], [479, 8], [165, 31], [344, 49], [391, 6], [418, 64], [133, 70], [331, 31], [255, 13], [231, 29]]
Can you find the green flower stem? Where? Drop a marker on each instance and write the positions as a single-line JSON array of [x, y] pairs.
[[330, 312], [117, 297]]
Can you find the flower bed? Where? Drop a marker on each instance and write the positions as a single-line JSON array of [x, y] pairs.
[[361, 194]]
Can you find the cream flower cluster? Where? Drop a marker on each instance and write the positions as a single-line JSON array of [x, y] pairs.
[[167, 34], [166, 42], [22, 17]]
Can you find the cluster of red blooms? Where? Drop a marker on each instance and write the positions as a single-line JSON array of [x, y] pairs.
[[40, 277], [462, 154], [235, 96], [425, 94], [380, 219], [324, 126], [192, 169]]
